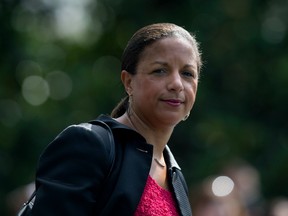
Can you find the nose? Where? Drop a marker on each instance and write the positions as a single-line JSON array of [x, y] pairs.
[[175, 82]]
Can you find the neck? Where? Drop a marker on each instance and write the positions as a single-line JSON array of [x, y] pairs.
[[158, 137]]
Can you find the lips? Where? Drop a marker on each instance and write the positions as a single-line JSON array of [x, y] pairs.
[[173, 102]]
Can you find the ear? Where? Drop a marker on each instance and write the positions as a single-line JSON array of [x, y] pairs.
[[127, 80]]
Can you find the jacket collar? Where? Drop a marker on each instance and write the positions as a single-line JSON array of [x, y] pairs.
[[115, 125], [170, 160]]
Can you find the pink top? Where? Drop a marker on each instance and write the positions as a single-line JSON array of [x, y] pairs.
[[156, 201]]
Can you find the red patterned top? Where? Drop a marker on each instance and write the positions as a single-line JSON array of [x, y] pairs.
[[156, 201]]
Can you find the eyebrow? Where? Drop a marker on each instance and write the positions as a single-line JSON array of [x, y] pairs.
[[166, 64], [159, 62]]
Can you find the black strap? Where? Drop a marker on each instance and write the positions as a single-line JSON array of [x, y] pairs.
[[103, 134]]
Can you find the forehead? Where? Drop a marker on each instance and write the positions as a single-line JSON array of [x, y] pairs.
[[169, 47]]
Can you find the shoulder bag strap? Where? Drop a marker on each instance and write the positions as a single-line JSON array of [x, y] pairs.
[[106, 133]]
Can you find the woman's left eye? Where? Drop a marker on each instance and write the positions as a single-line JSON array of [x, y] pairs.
[[188, 74]]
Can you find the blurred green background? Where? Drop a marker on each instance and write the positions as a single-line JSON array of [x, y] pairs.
[[60, 65]]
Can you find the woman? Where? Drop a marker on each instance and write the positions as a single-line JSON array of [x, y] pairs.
[[160, 71]]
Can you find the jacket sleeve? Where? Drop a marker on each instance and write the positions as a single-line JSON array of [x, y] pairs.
[[71, 173]]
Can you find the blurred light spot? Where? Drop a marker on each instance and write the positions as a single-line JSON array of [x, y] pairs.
[[29, 19], [222, 186], [60, 85], [73, 20], [27, 68], [273, 30], [10, 112], [23, 21], [35, 90], [280, 208]]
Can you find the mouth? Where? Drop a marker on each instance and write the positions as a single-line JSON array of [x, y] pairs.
[[173, 102]]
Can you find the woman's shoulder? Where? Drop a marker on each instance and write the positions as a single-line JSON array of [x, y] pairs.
[[83, 141]]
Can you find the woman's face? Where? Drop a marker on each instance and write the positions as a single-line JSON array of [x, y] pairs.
[[164, 87]]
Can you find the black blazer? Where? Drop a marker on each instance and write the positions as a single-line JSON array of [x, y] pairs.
[[70, 177]]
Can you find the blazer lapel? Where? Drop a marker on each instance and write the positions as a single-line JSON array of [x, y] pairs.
[[178, 184]]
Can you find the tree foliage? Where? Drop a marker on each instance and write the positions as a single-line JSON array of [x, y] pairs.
[[60, 65]]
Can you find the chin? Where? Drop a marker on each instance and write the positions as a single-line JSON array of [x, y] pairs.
[[171, 120]]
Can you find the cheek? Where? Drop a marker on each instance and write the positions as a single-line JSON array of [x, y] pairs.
[[191, 93], [141, 92], [147, 87]]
